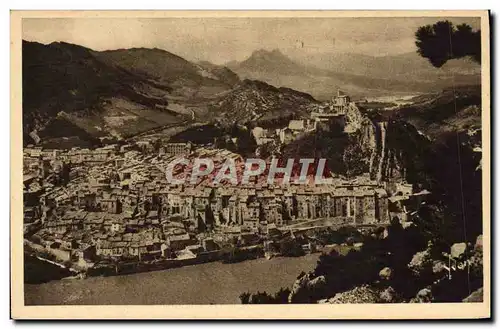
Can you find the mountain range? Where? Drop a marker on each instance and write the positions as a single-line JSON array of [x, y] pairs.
[[359, 75], [73, 93]]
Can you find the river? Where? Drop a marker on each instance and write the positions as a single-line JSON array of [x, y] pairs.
[[210, 283]]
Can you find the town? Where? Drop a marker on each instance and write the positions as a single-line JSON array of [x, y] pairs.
[[84, 207]]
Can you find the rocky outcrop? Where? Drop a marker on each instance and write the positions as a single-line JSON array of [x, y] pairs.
[[388, 295], [458, 249], [420, 261], [479, 243], [385, 273], [423, 296], [305, 287], [359, 295], [354, 118], [475, 297], [364, 294], [367, 140], [438, 267]]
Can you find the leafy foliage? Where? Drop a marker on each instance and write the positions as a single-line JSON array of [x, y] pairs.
[[291, 248], [443, 41], [281, 297]]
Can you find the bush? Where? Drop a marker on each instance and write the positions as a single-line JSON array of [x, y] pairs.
[[281, 297], [291, 248]]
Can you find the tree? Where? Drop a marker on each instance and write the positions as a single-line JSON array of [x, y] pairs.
[[291, 248], [443, 41]]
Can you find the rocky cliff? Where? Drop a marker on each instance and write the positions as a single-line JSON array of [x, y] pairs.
[[392, 145], [382, 149], [405, 262], [377, 145]]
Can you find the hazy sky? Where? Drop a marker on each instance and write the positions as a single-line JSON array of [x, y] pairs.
[[220, 40]]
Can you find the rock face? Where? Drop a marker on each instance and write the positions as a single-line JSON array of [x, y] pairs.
[[438, 266], [386, 150], [407, 225], [377, 170], [385, 156], [419, 261], [458, 249], [388, 295], [385, 273], [354, 117], [423, 296], [358, 295], [367, 138], [475, 297], [479, 243], [304, 288]]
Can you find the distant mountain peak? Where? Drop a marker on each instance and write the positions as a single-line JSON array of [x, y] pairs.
[[269, 61], [274, 54], [265, 51]]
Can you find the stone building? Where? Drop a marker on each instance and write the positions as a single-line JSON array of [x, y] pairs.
[[176, 149]]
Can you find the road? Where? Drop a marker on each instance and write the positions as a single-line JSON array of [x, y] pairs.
[[158, 129]]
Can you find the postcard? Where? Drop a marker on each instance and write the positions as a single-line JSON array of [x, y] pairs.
[[250, 165]]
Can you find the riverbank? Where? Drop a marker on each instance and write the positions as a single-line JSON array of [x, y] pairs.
[[209, 283], [38, 271], [62, 262]]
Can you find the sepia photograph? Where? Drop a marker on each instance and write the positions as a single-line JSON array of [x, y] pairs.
[[236, 164]]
